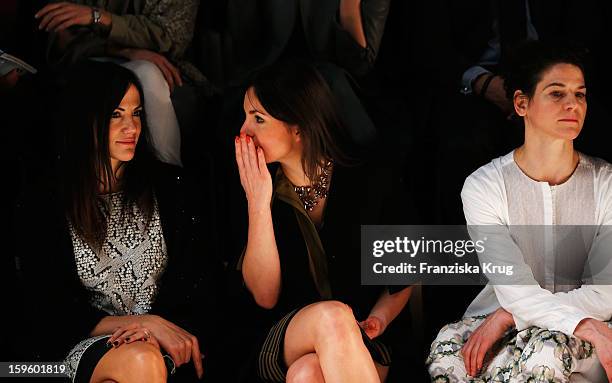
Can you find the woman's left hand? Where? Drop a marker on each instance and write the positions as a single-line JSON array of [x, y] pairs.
[[132, 333], [373, 326], [182, 346]]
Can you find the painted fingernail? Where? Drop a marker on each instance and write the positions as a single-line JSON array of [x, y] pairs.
[[248, 139]]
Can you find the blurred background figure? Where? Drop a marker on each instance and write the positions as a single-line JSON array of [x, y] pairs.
[[148, 37]]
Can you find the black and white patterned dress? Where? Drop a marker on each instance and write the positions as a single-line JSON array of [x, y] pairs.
[[122, 277]]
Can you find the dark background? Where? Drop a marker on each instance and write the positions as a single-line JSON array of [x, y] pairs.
[[428, 131]]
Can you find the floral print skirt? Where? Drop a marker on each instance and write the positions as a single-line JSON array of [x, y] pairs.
[[533, 355]]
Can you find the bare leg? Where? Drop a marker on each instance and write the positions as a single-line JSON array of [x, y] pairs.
[[308, 370], [330, 330], [305, 370], [133, 362]]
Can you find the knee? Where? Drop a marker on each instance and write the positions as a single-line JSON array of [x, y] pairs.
[[143, 359], [336, 320], [150, 76], [305, 370]]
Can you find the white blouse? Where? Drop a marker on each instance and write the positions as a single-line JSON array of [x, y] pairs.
[[499, 193]]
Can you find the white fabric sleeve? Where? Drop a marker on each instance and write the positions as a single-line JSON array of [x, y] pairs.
[[594, 297], [529, 304]]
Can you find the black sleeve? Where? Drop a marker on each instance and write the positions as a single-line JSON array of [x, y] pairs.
[[190, 293]]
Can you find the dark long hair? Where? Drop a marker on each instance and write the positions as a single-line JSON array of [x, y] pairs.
[[92, 93], [294, 92]]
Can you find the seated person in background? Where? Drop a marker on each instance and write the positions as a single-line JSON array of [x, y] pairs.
[[346, 32], [301, 259], [341, 37], [118, 270], [149, 37], [548, 328]]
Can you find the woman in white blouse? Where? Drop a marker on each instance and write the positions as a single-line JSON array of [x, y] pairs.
[[549, 326]]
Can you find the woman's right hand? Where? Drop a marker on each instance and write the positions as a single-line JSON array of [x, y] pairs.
[[254, 174], [481, 341], [177, 342]]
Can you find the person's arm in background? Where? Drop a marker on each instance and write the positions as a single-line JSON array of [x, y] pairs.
[[57, 17], [159, 36], [479, 81], [360, 31], [351, 21], [164, 27]]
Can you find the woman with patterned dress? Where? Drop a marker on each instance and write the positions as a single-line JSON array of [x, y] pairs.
[[548, 323], [120, 275], [301, 260]]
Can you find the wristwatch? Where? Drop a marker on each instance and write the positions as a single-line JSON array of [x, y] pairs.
[[96, 15]]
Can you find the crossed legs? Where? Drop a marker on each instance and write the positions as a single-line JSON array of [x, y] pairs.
[[323, 343]]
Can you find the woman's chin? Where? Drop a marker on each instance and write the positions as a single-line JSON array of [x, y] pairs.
[[127, 157], [571, 133], [567, 132]]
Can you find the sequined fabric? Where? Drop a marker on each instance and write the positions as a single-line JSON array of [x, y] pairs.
[[74, 357], [122, 276]]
